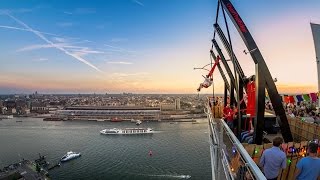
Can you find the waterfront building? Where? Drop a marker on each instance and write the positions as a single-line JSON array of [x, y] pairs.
[[108, 113], [37, 107], [177, 104], [9, 105], [167, 106]]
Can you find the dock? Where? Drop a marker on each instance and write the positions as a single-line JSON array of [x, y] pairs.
[[26, 169]]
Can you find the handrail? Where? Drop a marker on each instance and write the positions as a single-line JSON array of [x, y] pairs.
[[219, 162], [249, 162]]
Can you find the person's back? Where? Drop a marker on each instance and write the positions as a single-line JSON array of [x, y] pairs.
[[273, 159], [308, 168]]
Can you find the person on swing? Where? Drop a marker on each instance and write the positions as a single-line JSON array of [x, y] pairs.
[[206, 83]]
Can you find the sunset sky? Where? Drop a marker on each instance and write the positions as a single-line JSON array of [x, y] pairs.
[[146, 46]]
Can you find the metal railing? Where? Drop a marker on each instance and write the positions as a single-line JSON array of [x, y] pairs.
[[229, 159]]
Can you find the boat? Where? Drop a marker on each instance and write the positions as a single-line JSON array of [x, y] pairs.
[[116, 119], [138, 122], [69, 156], [52, 119], [127, 131], [6, 116], [195, 122]]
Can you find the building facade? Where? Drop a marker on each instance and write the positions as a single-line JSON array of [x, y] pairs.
[[108, 113]]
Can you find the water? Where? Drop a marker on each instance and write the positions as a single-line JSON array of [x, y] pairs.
[[179, 150]]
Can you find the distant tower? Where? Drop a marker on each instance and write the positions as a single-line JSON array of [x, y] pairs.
[[177, 104], [315, 28]]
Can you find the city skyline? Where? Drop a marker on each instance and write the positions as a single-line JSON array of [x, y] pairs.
[[145, 46]]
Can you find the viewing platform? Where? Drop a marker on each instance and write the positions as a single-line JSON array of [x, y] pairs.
[[232, 159]]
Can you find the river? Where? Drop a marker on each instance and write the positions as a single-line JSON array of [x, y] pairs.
[[178, 149]]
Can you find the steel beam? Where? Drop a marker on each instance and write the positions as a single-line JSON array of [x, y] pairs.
[[258, 59], [230, 52], [220, 70], [260, 84]]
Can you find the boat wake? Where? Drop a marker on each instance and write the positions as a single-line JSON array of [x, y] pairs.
[[170, 176]]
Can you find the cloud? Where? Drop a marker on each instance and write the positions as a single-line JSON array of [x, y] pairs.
[[23, 29], [59, 39], [65, 24], [119, 62], [41, 36], [85, 51], [41, 59], [138, 2], [19, 10], [118, 49], [40, 46], [129, 74], [66, 12], [75, 50]]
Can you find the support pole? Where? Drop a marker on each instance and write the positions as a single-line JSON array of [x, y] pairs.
[[232, 98], [225, 95], [242, 106], [260, 84]]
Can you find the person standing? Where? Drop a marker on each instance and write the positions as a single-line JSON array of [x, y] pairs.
[[308, 168], [273, 159], [229, 116]]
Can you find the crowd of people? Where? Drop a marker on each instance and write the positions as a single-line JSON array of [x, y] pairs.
[[305, 110], [274, 159]]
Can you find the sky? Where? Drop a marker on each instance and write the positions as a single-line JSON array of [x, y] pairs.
[[146, 46]]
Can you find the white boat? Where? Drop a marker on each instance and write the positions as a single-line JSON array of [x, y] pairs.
[[70, 155], [6, 116], [127, 131], [138, 122]]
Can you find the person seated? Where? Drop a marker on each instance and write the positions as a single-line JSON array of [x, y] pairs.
[[206, 83], [247, 136]]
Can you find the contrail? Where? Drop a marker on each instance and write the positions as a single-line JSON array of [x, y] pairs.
[[138, 2], [22, 29], [37, 33]]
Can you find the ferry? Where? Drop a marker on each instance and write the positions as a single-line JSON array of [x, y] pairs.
[[69, 156], [127, 131]]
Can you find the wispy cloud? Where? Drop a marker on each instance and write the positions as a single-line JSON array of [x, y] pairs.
[[129, 74], [75, 50], [118, 49], [119, 62], [66, 12], [85, 51], [59, 39], [37, 33], [40, 46], [138, 2], [23, 29], [65, 24], [19, 10], [41, 59]]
